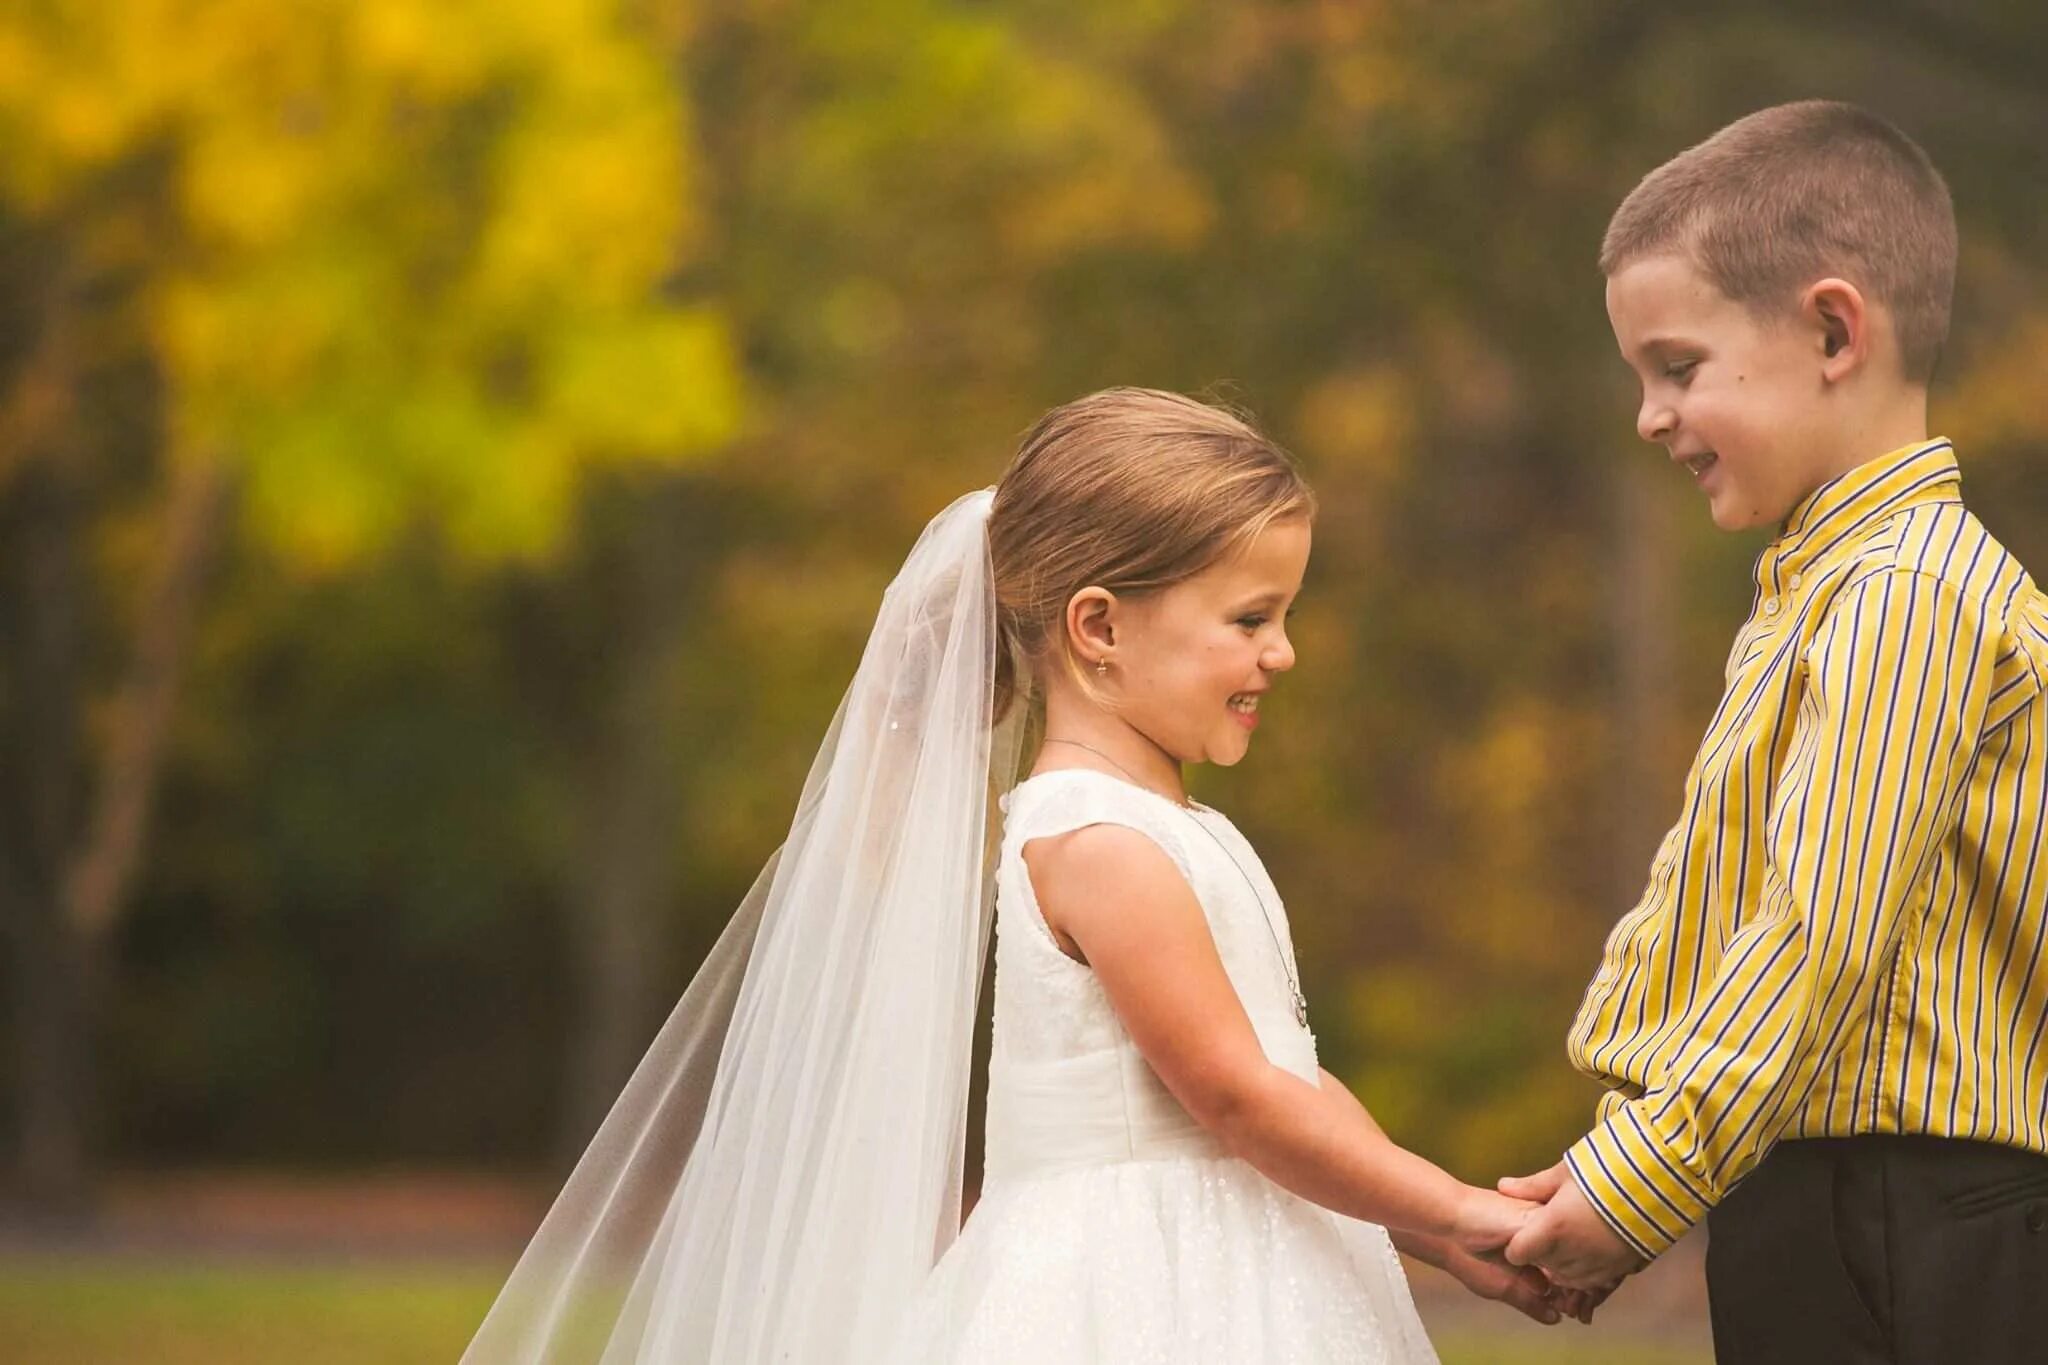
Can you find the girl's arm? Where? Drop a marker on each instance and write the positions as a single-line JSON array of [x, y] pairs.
[[1491, 1277], [1117, 896]]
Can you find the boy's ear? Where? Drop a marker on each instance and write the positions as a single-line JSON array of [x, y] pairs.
[[1835, 312]]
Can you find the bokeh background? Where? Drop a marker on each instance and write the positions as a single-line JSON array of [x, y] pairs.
[[450, 454]]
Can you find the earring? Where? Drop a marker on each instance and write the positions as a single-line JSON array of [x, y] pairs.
[[1101, 667]]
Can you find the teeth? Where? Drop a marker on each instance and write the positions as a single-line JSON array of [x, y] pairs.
[[1698, 463], [1244, 703]]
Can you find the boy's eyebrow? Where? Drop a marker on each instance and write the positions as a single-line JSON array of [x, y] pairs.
[[1656, 345]]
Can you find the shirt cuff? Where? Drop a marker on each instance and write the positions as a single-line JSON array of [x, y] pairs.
[[1611, 1102], [1631, 1182]]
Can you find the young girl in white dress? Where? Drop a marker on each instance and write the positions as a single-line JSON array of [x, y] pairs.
[[1169, 1175]]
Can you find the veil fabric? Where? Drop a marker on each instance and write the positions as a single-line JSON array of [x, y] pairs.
[[784, 1166]]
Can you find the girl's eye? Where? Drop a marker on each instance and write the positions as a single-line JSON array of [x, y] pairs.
[[1680, 370], [1251, 622]]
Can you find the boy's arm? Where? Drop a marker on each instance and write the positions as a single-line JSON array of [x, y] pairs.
[[1898, 681]]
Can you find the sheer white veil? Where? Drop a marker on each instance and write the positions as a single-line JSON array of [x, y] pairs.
[[784, 1167]]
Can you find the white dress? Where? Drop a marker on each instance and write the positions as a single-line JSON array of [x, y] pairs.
[[1112, 1229]]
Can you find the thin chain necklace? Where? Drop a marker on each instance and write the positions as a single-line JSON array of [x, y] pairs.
[[1265, 915]]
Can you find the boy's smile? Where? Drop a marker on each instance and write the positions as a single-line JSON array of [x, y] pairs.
[[1733, 400]]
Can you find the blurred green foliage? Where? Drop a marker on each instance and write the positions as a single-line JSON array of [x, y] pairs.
[[587, 368]]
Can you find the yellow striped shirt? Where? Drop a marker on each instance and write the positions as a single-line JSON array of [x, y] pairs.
[[1844, 932]]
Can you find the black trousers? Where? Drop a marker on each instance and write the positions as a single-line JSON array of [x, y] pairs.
[[1883, 1251]]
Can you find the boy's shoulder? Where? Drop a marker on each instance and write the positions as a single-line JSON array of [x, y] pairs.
[[1945, 541]]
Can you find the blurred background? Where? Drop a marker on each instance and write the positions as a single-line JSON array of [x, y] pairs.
[[450, 455]]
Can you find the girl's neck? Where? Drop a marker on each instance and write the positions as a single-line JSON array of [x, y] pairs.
[[1088, 737]]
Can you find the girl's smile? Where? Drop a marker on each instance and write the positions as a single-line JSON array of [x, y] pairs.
[[1192, 662]]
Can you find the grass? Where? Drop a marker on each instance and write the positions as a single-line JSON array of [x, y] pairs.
[[1565, 1345], [68, 1311], [85, 1313]]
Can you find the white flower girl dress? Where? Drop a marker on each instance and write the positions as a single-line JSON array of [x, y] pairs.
[[1111, 1227]]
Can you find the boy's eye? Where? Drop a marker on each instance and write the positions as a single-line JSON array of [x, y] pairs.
[[1251, 622], [1680, 370]]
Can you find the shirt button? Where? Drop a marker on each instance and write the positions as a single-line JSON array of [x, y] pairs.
[[1796, 581], [1770, 606], [2037, 1218]]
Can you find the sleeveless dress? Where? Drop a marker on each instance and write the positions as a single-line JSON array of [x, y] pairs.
[[1112, 1229]]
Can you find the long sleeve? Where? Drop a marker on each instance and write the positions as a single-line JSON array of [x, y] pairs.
[[1898, 678]]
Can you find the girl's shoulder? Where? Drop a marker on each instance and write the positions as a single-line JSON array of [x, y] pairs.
[[1094, 787], [1059, 800]]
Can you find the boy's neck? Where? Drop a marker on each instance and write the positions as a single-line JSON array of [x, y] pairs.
[[1874, 433]]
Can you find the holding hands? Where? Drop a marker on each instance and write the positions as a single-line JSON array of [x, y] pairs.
[[1474, 1253], [1566, 1238]]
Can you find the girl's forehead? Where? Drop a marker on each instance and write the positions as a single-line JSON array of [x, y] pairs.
[[1272, 559], [1281, 544]]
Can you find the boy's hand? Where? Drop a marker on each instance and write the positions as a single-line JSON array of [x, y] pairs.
[[1566, 1237]]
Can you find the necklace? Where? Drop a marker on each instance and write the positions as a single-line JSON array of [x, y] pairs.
[[1178, 801], [1265, 915]]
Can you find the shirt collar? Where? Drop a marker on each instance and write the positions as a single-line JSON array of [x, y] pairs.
[[1835, 513]]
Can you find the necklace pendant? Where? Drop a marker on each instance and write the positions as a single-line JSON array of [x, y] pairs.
[[1301, 1008]]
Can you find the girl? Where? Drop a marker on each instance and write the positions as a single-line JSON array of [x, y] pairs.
[[1169, 1173]]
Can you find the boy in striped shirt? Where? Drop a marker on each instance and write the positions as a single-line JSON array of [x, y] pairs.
[[1826, 1021]]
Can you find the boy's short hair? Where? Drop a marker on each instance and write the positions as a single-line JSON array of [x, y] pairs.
[[1794, 194]]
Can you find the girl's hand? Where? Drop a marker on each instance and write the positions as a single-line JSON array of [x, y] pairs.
[[1483, 1223], [1521, 1288], [1580, 1303]]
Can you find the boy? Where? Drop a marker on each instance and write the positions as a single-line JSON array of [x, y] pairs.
[[1825, 1019]]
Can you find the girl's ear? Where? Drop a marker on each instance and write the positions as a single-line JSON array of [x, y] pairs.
[[1091, 624]]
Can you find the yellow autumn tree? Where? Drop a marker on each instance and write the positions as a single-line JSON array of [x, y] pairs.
[[384, 264]]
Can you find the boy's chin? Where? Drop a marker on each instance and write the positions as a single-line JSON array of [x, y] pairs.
[[1732, 512], [1729, 518]]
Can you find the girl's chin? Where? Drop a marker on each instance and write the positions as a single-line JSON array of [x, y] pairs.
[[1231, 750]]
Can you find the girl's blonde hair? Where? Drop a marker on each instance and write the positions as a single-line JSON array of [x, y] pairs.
[[1132, 490]]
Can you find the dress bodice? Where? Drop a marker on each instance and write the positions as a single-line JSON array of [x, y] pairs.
[[1067, 1087]]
